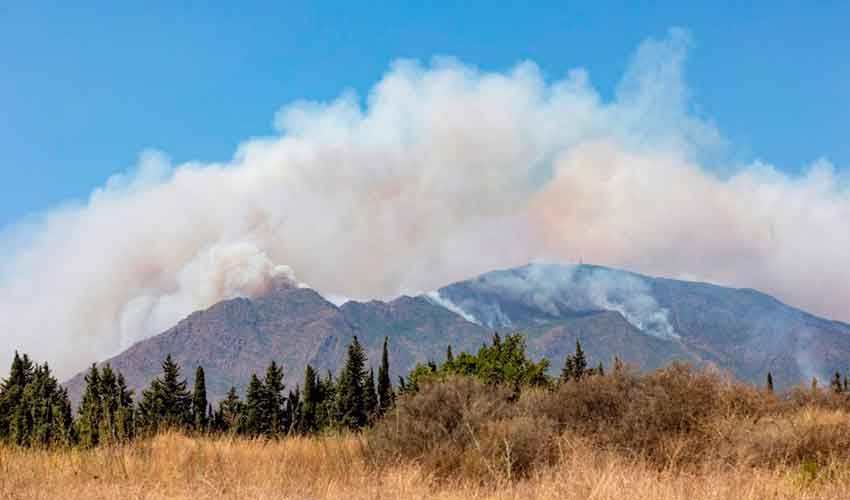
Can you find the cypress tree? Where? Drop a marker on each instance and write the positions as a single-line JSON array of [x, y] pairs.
[[167, 403], [350, 406], [449, 356], [385, 389], [769, 383], [199, 400], [309, 401]]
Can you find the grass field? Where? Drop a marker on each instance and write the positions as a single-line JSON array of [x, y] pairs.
[[335, 467]]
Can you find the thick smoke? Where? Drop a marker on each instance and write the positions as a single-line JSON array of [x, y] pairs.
[[444, 172], [551, 290]]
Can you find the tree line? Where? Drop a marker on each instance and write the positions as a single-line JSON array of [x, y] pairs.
[[35, 409]]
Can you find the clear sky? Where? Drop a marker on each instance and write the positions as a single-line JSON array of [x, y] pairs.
[[85, 88]]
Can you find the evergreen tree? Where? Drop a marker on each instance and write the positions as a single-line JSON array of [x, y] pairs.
[[310, 401], [229, 412], [351, 410], [449, 356], [292, 413], [370, 396], [256, 421], [88, 421], [199, 400], [11, 393], [600, 370], [167, 403], [575, 366], [579, 363], [326, 402], [273, 401], [34, 408], [385, 389], [769, 382]]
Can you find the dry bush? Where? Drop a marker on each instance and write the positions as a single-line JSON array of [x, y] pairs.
[[461, 427]]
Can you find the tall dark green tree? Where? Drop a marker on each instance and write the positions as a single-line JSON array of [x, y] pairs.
[[769, 383], [256, 420], [385, 388], [310, 400], [575, 366], [351, 409], [199, 400], [21, 374], [34, 408], [167, 403], [274, 401], [90, 411]]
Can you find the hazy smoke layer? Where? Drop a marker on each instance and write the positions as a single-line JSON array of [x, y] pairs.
[[551, 290], [443, 173]]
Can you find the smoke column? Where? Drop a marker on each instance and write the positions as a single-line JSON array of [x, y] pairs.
[[441, 173]]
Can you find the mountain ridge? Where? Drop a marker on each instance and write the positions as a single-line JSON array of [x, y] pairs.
[[644, 320]]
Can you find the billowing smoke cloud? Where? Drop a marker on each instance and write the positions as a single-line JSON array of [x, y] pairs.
[[550, 290], [444, 172]]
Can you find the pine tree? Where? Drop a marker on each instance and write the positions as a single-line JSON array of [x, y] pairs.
[[351, 412], [292, 413], [385, 389], [769, 383], [11, 393], [230, 411], [256, 421], [89, 420], [600, 370], [309, 401], [449, 356], [199, 400], [273, 401], [370, 396], [167, 403], [579, 363]]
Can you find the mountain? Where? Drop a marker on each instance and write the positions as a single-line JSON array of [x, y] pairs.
[[645, 321]]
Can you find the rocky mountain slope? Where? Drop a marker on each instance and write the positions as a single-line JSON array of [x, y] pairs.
[[646, 321]]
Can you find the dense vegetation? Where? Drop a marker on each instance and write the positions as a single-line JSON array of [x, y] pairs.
[[495, 413]]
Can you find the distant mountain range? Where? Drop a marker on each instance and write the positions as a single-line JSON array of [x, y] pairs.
[[646, 321]]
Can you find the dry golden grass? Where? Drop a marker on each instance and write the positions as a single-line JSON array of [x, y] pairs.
[[176, 466]]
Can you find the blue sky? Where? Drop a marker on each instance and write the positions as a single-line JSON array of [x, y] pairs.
[[84, 89]]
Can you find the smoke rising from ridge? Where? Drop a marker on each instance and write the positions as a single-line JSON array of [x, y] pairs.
[[444, 172]]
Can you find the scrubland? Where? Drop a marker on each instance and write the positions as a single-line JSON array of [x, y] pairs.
[[672, 434]]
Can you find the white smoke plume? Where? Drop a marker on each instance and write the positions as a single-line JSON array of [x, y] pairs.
[[442, 173]]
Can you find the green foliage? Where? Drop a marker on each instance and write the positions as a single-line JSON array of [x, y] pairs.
[[504, 362], [167, 403], [273, 401], [575, 366], [199, 400], [350, 405], [310, 401], [34, 409], [385, 388], [836, 385], [769, 383]]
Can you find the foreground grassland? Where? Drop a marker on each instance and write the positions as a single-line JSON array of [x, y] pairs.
[[176, 466]]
